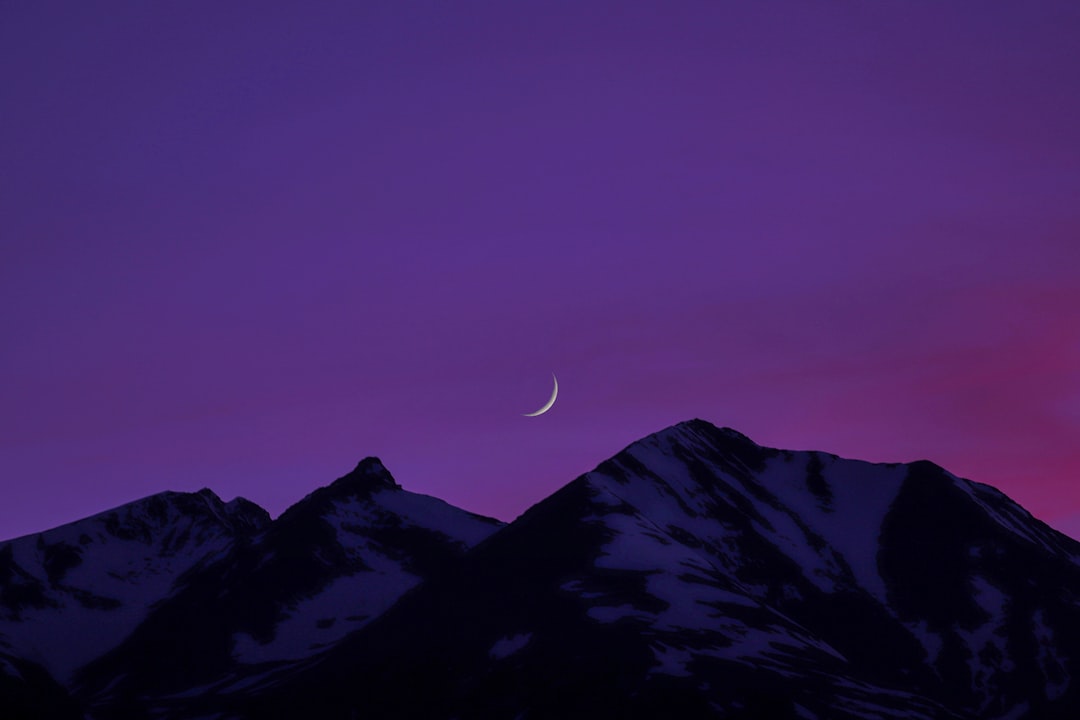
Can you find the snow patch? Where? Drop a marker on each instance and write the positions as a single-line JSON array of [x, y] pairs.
[[431, 513], [987, 645], [506, 646], [1051, 666], [610, 614], [860, 496], [932, 642], [670, 660], [324, 619]]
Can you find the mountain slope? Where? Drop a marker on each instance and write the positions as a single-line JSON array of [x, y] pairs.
[[69, 594], [27, 690], [323, 569], [698, 574]]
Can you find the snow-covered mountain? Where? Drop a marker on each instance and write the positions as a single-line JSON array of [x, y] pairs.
[[694, 574], [323, 569], [70, 594]]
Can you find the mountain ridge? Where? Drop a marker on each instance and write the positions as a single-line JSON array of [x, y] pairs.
[[696, 553], [693, 572]]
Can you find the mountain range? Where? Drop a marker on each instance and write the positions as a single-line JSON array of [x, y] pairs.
[[695, 574]]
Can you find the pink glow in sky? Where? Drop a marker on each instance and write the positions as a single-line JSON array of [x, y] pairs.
[[243, 245]]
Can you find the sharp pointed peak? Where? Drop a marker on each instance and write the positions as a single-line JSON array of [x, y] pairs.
[[209, 495], [369, 474], [367, 479]]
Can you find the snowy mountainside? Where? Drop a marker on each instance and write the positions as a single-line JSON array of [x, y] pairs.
[[69, 594], [951, 579], [326, 567], [700, 574]]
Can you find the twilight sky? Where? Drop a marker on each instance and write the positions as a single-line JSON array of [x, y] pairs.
[[245, 244]]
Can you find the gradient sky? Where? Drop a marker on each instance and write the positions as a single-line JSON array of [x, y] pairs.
[[245, 244]]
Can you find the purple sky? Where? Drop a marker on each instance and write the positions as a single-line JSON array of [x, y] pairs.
[[245, 244]]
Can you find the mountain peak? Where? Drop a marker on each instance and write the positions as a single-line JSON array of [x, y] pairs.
[[163, 508], [239, 514], [698, 428], [696, 435], [368, 475], [367, 479]]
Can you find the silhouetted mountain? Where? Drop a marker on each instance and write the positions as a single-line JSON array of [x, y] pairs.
[[70, 594], [324, 568], [697, 574], [694, 574]]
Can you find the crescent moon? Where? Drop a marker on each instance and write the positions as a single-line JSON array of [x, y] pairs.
[[549, 403]]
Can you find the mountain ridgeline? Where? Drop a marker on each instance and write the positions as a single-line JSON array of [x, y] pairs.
[[695, 574]]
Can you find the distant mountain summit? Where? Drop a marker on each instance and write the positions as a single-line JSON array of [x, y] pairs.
[[694, 574]]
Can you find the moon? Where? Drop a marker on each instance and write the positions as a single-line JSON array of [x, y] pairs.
[[549, 403]]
